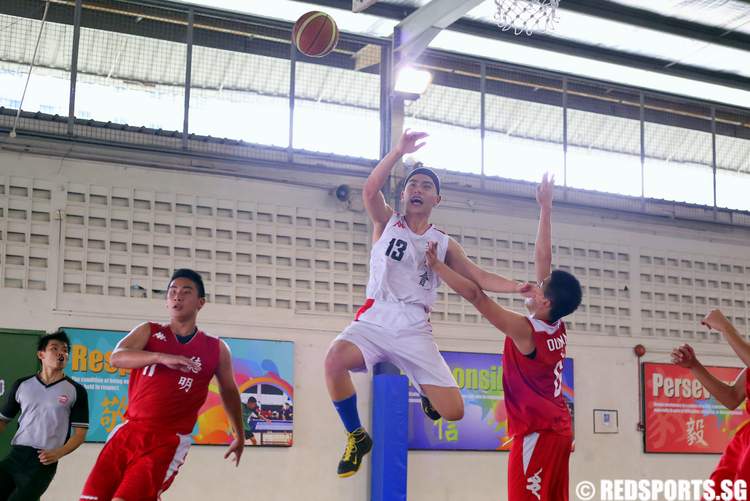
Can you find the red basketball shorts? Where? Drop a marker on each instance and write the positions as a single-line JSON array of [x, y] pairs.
[[136, 464], [538, 467]]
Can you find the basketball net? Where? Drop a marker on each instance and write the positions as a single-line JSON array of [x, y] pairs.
[[526, 16]]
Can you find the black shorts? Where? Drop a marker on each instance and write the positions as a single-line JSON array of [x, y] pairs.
[[22, 476]]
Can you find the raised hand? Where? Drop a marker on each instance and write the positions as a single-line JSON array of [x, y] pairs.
[[410, 141], [715, 320], [526, 289], [431, 254], [544, 191], [684, 357]]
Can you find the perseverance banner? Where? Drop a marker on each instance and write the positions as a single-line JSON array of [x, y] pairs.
[[681, 416]]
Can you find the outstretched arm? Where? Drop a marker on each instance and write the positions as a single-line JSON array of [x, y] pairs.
[[543, 245], [373, 198], [717, 321], [230, 397], [730, 395], [457, 260], [514, 326], [130, 354]]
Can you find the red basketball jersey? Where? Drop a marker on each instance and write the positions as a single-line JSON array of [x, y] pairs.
[[533, 385], [169, 399]]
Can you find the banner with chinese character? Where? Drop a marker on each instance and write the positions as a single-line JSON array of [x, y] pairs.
[[681, 416], [263, 371], [485, 424], [107, 387]]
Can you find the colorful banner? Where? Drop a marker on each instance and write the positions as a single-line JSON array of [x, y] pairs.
[[107, 387], [484, 426], [681, 416], [263, 371]]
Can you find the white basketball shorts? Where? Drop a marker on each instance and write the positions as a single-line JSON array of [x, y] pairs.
[[401, 334]]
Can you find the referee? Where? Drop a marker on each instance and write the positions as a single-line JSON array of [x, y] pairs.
[[50, 404]]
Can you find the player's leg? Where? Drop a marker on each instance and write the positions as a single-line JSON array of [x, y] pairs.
[[177, 461], [416, 353], [556, 483], [445, 400], [342, 357], [7, 484], [32, 485], [107, 472], [151, 472], [253, 425], [354, 350]]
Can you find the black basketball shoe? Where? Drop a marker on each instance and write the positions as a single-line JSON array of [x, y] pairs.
[[428, 409], [358, 444]]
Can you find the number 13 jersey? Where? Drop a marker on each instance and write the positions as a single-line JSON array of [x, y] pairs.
[[398, 271]]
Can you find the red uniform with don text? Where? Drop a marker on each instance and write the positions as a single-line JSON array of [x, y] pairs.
[[142, 455], [539, 422]]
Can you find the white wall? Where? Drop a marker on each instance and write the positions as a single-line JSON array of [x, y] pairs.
[[607, 250]]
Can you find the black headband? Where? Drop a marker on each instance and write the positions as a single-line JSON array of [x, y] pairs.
[[427, 172]]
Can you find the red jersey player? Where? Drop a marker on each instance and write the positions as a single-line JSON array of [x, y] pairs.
[[735, 461], [538, 418], [172, 366]]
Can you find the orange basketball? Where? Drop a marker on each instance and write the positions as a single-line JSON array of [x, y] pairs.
[[315, 34]]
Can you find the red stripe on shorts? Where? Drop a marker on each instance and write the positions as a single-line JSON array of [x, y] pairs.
[[368, 304]]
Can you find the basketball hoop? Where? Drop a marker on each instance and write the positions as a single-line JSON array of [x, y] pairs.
[[526, 16]]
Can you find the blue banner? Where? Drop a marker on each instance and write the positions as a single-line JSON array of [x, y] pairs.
[[484, 426]]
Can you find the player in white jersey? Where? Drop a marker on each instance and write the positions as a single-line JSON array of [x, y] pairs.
[[393, 325]]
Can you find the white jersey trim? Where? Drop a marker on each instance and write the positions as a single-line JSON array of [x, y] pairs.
[[542, 326]]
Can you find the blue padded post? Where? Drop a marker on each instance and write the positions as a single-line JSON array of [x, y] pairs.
[[390, 429]]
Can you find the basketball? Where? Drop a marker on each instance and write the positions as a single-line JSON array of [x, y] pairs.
[[315, 34]]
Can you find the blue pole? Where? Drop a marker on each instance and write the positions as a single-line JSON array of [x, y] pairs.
[[390, 429]]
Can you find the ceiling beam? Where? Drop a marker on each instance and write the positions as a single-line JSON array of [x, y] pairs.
[[605, 9], [644, 18], [415, 32], [570, 47], [598, 53]]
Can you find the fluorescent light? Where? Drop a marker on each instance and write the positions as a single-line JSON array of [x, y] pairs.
[[412, 81]]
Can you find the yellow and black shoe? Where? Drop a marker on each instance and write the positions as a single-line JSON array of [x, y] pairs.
[[429, 410], [358, 443]]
